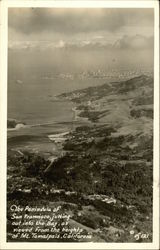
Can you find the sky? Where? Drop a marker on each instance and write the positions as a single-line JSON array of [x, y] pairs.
[[45, 28]]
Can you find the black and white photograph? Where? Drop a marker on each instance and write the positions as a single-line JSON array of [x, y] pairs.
[[80, 124]]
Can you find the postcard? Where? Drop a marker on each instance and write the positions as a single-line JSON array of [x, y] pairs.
[[79, 125]]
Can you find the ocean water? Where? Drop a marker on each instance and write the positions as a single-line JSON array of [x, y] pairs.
[[32, 87], [34, 104], [33, 81], [31, 94], [31, 100]]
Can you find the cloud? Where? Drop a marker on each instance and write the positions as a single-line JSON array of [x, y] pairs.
[[126, 42], [135, 42], [69, 21]]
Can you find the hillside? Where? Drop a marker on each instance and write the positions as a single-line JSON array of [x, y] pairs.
[[105, 178]]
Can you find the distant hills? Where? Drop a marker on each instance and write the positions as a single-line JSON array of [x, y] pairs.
[[126, 105]]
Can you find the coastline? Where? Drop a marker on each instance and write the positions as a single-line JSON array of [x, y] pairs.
[[95, 166], [46, 139], [77, 116]]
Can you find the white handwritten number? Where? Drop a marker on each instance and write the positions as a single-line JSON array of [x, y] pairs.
[[141, 235]]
